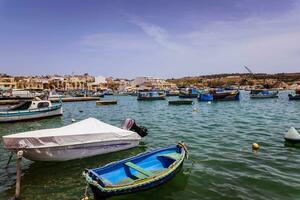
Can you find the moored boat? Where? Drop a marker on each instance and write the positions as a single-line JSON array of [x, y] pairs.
[[219, 95], [171, 93], [261, 94], [137, 173], [106, 102], [295, 95], [151, 96], [30, 110], [292, 137], [181, 102], [86, 138], [189, 93]]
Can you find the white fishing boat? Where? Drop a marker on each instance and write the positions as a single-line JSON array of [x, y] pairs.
[[86, 138], [30, 110]]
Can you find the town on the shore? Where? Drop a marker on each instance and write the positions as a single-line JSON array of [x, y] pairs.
[[121, 85]]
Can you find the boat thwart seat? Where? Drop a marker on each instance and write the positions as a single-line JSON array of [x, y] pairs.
[[142, 172], [173, 156]]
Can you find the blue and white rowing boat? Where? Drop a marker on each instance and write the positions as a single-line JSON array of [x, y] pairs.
[[31, 110], [137, 173]]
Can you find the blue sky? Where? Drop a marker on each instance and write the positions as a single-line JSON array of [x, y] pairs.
[[163, 38]]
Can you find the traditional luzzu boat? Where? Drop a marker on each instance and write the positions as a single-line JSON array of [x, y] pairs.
[[30, 110], [137, 173], [219, 95], [292, 137], [262, 94], [189, 93], [86, 138], [150, 96]]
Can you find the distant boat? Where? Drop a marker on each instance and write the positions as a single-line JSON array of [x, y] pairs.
[[260, 94], [106, 102], [219, 95], [30, 110], [150, 96], [292, 136], [137, 173], [172, 93], [82, 139], [181, 102], [98, 94], [295, 95], [54, 95], [18, 94], [189, 93]]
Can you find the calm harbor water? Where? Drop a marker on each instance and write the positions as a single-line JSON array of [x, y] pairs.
[[219, 137]]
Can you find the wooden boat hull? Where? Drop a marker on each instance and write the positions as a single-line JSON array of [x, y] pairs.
[[98, 195], [151, 98], [186, 96], [226, 96], [264, 96], [181, 102], [99, 185], [106, 102], [12, 116]]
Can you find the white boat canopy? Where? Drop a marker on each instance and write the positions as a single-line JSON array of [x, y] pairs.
[[86, 131]]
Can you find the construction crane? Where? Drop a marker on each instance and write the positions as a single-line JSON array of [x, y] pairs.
[[249, 70]]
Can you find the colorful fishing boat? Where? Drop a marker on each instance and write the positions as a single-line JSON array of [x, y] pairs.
[[262, 94], [30, 110], [219, 95], [181, 102], [150, 96], [292, 137], [172, 93], [137, 173], [189, 93]]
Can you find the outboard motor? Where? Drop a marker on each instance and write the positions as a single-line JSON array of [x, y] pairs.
[[129, 124]]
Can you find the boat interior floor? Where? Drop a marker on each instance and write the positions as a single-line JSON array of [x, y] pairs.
[[130, 172]]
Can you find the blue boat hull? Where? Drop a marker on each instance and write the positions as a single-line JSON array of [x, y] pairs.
[[129, 175], [226, 96]]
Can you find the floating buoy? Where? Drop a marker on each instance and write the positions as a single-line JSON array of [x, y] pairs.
[[73, 120], [209, 102], [255, 146], [195, 109]]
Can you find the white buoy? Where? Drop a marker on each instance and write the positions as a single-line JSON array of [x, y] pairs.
[[209, 102], [292, 134], [195, 109], [73, 120]]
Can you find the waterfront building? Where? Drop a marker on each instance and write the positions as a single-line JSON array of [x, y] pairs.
[[152, 82], [7, 82]]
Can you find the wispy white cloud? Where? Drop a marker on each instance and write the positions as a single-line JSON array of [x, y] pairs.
[[267, 44]]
